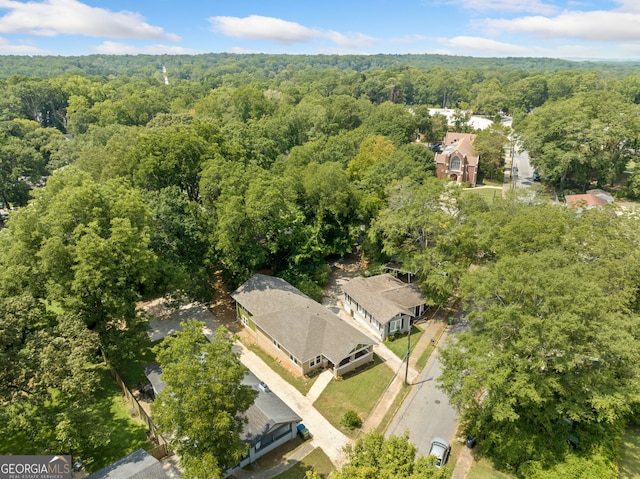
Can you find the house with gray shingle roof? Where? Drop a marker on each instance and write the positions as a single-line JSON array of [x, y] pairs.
[[296, 329], [383, 303], [270, 422], [137, 465]]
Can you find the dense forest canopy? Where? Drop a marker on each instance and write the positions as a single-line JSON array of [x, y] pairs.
[[122, 186], [195, 67]]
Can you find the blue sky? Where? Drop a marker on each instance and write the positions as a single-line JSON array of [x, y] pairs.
[[576, 29]]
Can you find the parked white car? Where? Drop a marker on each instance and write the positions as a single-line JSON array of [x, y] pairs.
[[440, 448]]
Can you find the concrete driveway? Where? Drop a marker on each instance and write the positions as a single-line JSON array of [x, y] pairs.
[[165, 320]]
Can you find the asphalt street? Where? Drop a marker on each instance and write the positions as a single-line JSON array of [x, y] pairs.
[[521, 170], [426, 413]]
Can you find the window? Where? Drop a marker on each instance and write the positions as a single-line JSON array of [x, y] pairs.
[[454, 164], [245, 321], [276, 344], [395, 325], [293, 359], [315, 361]]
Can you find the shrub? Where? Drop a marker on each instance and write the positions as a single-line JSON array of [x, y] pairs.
[[351, 420]]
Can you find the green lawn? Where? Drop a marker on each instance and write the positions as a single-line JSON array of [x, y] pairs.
[[489, 194], [421, 362], [359, 392], [110, 431], [482, 469], [393, 409], [399, 346], [120, 433], [316, 460], [629, 462], [132, 372]]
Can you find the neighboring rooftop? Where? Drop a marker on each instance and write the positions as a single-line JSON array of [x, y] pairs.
[[267, 412], [588, 200], [137, 465], [384, 296]]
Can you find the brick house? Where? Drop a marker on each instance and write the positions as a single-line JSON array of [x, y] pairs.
[[458, 160]]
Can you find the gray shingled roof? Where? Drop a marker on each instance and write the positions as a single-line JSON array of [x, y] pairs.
[[302, 326], [154, 375], [384, 296], [137, 465], [267, 413]]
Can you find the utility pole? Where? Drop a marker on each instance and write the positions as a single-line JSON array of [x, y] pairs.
[[406, 371]]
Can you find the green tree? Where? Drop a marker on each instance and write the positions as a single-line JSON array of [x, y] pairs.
[[170, 156], [45, 378], [372, 149], [85, 246], [373, 456], [489, 145], [179, 238], [590, 136], [416, 228], [393, 121], [537, 371], [203, 403]]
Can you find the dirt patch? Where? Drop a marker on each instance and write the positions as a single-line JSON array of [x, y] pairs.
[[342, 271], [224, 307]]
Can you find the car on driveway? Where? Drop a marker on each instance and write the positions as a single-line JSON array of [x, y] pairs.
[[440, 448]]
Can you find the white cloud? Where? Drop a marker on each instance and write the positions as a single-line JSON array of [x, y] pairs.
[[282, 31], [594, 25], [8, 48], [629, 6], [485, 46], [115, 48], [55, 17], [531, 6]]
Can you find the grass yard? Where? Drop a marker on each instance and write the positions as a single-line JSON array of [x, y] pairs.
[[278, 455], [489, 194], [482, 469], [359, 392], [132, 372], [109, 432], [316, 460], [424, 357], [119, 433], [421, 362], [399, 345], [393, 409], [629, 462]]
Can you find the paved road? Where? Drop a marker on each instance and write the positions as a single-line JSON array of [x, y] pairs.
[[426, 413], [523, 168]]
